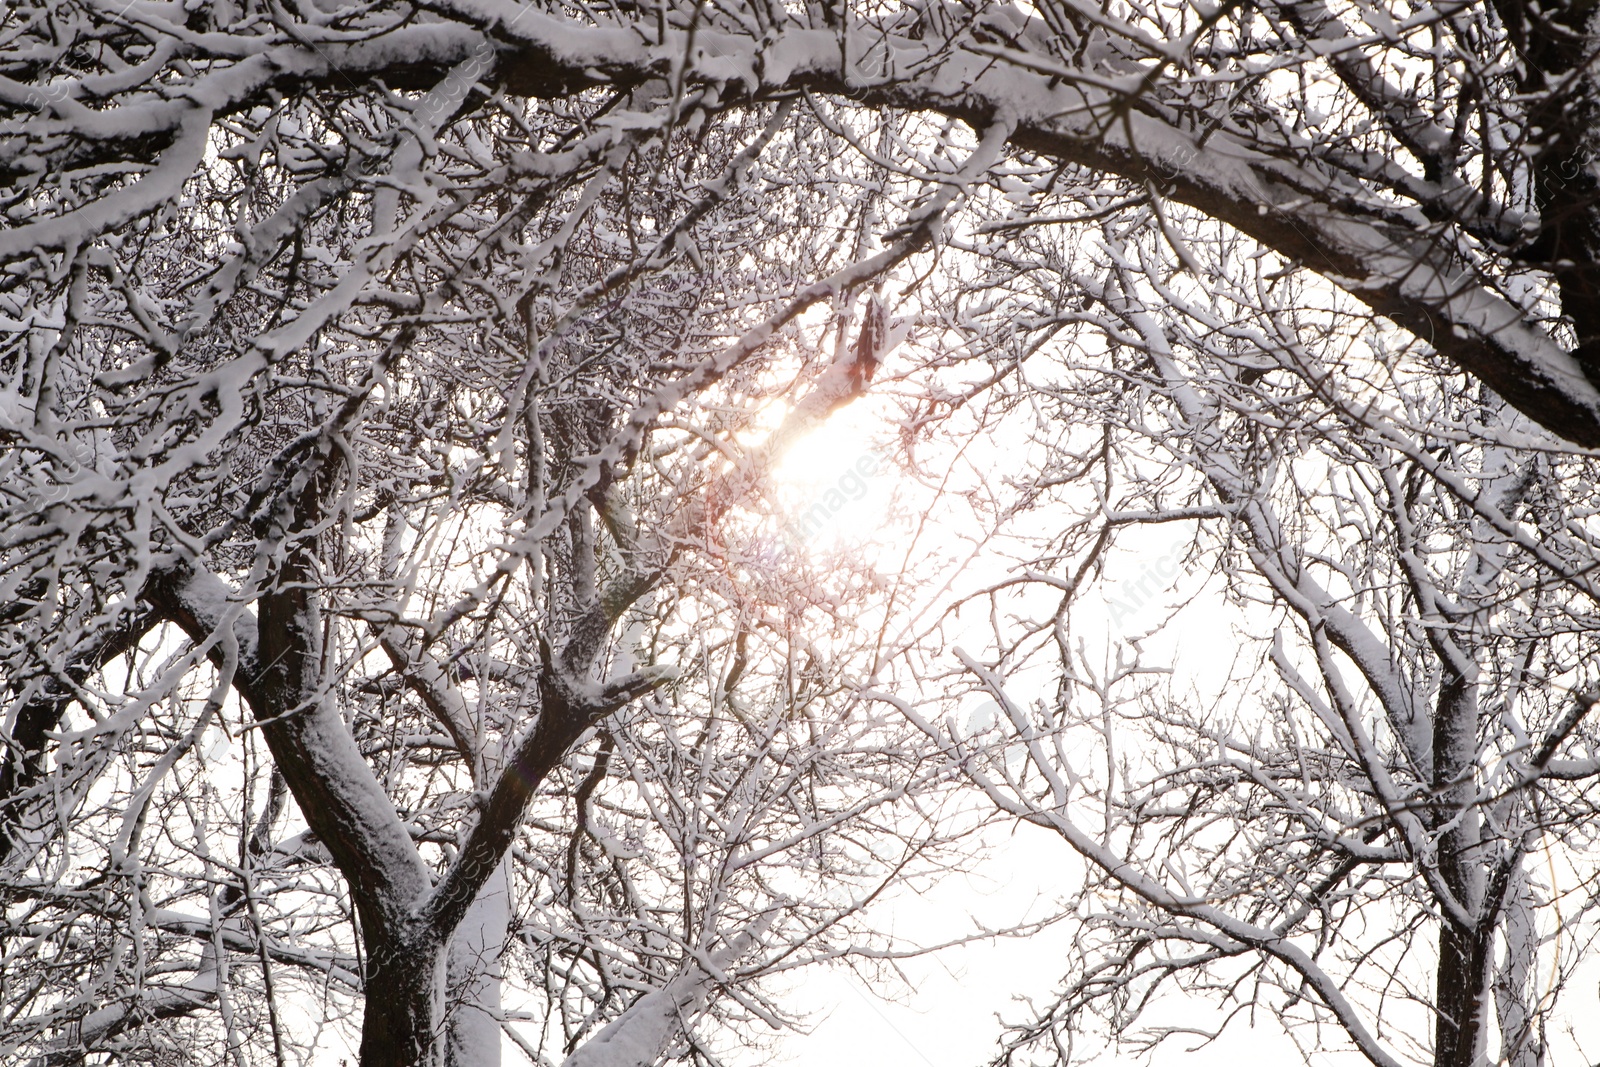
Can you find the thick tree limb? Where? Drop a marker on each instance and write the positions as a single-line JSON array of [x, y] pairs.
[[1388, 255], [333, 786]]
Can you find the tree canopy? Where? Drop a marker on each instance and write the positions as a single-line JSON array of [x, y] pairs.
[[399, 613]]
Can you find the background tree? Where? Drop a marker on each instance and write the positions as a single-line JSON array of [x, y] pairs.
[[1357, 829]]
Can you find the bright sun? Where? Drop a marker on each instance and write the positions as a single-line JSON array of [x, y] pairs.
[[835, 483]]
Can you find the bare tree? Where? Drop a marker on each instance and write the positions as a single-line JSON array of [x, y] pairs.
[[384, 382], [417, 433], [1357, 831]]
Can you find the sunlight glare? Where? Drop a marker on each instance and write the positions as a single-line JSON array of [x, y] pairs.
[[835, 484]]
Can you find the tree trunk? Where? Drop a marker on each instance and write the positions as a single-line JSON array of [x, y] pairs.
[[1461, 985], [405, 986], [1462, 982]]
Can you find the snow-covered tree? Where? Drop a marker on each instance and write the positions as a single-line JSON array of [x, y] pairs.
[[1375, 830], [1428, 160], [401, 451], [389, 389]]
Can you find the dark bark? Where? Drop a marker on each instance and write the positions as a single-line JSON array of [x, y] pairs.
[[1460, 987], [405, 996], [1555, 50], [1462, 978]]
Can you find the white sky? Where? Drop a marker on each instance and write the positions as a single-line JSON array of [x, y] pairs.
[[947, 1016]]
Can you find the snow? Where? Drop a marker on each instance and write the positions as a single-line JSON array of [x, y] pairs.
[[639, 1036], [162, 184], [475, 975]]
